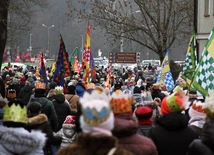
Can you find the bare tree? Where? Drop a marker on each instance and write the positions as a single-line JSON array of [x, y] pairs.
[[155, 24], [16, 18]]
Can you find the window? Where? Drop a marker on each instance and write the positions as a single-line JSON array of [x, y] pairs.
[[206, 8]]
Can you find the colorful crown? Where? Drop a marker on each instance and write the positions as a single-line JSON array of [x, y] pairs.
[[120, 102], [59, 90], [95, 107], [198, 106], [209, 106], [15, 113], [40, 85]]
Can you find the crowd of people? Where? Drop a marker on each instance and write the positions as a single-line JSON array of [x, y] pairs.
[[131, 115]]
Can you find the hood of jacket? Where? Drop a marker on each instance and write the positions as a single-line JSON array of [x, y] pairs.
[[124, 125], [59, 98], [20, 141], [27, 88], [173, 121]]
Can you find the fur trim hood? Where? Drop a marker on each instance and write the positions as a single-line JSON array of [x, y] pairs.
[[20, 141], [38, 119]]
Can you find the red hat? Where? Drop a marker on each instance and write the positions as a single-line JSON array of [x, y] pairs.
[[143, 113], [22, 79], [70, 119]]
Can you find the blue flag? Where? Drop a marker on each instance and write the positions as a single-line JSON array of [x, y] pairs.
[[59, 72], [165, 76], [42, 71]]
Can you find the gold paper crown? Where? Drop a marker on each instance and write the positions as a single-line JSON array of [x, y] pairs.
[[15, 113], [59, 90], [120, 102], [40, 85]]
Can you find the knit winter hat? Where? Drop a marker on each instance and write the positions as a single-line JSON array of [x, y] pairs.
[[209, 106], [120, 102], [70, 119], [175, 102], [197, 113], [97, 117]]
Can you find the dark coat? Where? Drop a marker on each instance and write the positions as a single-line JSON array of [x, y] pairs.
[[2, 88], [25, 94], [48, 109], [87, 144], [204, 146], [125, 129], [171, 135], [156, 93], [62, 109], [144, 129]]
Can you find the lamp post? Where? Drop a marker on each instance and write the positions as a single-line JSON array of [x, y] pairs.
[[48, 36]]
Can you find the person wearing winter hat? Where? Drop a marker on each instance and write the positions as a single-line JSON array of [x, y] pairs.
[[144, 115], [172, 127], [80, 88], [71, 96], [125, 128], [26, 92], [156, 92], [68, 131], [197, 117], [204, 145], [15, 139], [97, 121]]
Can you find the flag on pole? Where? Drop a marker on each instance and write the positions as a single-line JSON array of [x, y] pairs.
[[63, 68], [204, 74], [165, 76], [190, 63], [93, 68], [53, 68], [42, 71], [73, 54], [86, 55], [108, 77], [76, 65]]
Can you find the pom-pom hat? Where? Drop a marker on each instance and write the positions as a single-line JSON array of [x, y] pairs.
[[97, 117], [176, 102]]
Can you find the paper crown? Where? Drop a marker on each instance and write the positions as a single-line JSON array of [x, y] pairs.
[[198, 106], [209, 106], [15, 113], [95, 107], [120, 102], [59, 90], [40, 85]]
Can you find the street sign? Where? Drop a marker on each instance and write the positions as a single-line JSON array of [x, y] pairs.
[[122, 57]]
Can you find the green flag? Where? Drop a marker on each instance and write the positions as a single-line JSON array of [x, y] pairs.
[[190, 61], [75, 52], [204, 76]]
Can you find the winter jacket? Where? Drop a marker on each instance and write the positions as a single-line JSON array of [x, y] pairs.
[[156, 93], [87, 144], [67, 133], [48, 109], [20, 141], [73, 101], [25, 94], [62, 109], [204, 146], [125, 129], [171, 135], [144, 129]]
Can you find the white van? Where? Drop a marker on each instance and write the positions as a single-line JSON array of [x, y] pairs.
[[156, 63]]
